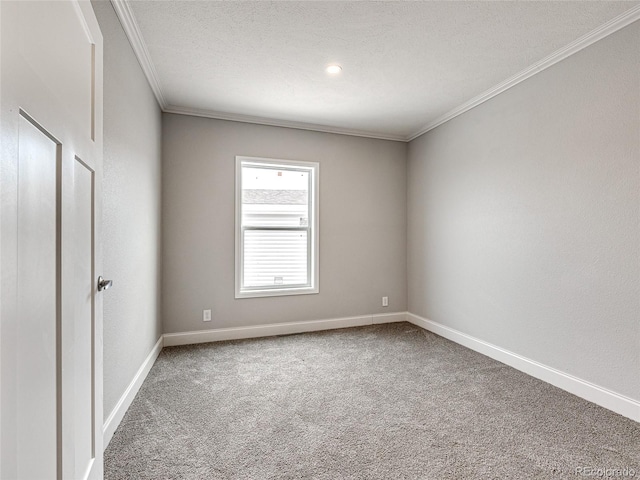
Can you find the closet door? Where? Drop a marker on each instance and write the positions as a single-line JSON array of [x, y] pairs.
[[50, 304]]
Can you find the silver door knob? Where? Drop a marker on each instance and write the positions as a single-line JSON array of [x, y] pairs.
[[104, 284]]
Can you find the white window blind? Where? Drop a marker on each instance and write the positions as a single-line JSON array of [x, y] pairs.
[[276, 227]]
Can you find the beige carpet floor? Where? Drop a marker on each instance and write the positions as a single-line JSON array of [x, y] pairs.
[[378, 402]]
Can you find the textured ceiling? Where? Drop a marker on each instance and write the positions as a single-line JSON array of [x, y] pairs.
[[404, 63]]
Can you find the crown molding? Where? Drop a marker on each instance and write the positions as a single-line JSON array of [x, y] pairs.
[[132, 31], [590, 38], [234, 117]]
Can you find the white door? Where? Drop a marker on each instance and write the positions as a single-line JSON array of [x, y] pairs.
[[50, 255]]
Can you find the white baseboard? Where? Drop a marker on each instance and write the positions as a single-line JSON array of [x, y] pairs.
[[116, 415], [269, 330], [379, 318], [608, 399]]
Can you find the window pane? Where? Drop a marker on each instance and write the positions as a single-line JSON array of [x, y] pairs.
[[272, 197], [276, 222], [275, 257]]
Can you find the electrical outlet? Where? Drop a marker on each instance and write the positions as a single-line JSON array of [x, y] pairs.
[[385, 301], [206, 315]]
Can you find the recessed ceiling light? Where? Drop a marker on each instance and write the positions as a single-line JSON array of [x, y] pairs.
[[334, 69]]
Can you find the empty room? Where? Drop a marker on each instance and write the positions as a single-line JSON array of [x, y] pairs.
[[319, 239]]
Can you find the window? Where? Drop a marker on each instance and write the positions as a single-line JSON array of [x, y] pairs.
[[276, 227]]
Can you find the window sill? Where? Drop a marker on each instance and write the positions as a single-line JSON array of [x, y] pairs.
[[279, 292]]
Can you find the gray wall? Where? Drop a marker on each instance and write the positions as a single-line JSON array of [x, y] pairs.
[[131, 215], [362, 223], [523, 217]]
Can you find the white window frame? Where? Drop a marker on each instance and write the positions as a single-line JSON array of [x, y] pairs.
[[313, 235]]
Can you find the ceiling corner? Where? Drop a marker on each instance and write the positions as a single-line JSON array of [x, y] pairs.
[[612, 26], [132, 31]]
